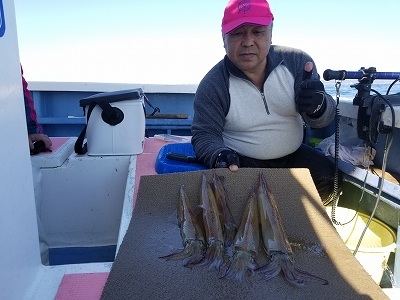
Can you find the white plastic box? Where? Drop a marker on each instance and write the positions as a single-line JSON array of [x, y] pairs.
[[126, 137]]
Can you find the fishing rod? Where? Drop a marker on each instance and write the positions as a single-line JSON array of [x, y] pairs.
[[343, 74], [369, 121]]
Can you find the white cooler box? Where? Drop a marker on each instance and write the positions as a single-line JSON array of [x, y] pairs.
[[115, 123]]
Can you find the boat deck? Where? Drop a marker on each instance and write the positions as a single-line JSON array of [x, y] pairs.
[[89, 284]]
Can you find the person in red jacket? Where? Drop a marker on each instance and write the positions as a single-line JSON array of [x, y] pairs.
[[35, 132]]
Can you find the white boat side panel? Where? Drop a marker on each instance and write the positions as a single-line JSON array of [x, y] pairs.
[[82, 200], [19, 251], [347, 109]]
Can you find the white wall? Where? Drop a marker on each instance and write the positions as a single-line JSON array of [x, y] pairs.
[[19, 250]]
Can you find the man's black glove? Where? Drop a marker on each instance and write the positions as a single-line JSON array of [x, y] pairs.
[[311, 98], [226, 158]]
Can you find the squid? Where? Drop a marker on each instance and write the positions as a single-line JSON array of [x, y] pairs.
[[281, 257], [191, 232], [228, 223], [246, 243], [215, 256]]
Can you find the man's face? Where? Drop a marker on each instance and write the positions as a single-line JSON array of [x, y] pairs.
[[247, 47]]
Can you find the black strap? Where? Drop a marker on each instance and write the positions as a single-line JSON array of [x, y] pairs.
[[79, 147], [155, 109]]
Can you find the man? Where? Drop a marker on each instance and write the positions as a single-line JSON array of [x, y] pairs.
[[250, 109]]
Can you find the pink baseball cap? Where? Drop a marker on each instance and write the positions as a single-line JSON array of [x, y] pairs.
[[239, 12]]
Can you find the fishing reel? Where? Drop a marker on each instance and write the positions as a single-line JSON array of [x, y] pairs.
[[370, 107]]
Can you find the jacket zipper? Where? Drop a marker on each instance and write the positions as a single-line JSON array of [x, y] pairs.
[[265, 102], [262, 96]]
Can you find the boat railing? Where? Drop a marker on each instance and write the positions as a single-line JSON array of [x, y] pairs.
[[59, 113]]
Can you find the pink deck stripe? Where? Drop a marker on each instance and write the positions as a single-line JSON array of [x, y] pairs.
[[88, 286], [57, 142], [152, 145]]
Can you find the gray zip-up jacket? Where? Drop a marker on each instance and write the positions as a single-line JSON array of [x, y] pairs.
[[230, 112]]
